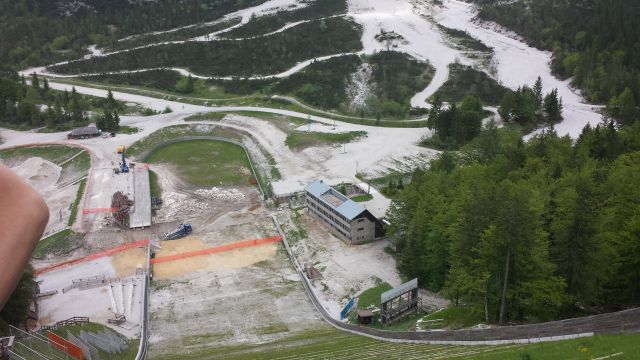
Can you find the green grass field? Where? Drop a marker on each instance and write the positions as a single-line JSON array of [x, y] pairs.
[[205, 162], [455, 318], [329, 343], [299, 140]]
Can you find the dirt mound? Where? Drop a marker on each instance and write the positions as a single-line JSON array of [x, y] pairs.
[[38, 172]]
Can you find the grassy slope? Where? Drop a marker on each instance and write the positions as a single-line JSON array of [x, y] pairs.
[[54, 153], [128, 354], [205, 162], [299, 140], [74, 208], [56, 244], [172, 132]]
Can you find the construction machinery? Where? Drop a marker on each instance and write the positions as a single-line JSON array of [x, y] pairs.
[[124, 168], [182, 231]]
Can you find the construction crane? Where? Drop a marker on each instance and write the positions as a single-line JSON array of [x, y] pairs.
[[124, 168]]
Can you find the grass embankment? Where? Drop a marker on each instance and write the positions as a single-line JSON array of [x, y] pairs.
[[173, 132], [465, 80], [206, 162], [76, 203], [156, 190], [54, 153], [56, 244], [129, 352], [299, 140]]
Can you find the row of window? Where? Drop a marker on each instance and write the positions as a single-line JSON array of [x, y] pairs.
[[344, 218], [330, 214], [331, 224]]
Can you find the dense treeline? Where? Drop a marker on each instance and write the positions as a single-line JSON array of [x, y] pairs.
[[322, 84], [37, 32], [530, 231], [396, 78], [178, 35], [455, 125], [262, 56], [26, 106], [530, 108], [269, 23], [465, 80], [595, 42], [15, 310]]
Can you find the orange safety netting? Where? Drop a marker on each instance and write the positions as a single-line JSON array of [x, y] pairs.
[[227, 247], [93, 256], [98, 210]]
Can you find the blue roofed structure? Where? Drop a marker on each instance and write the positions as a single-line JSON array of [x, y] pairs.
[[345, 206], [348, 219]]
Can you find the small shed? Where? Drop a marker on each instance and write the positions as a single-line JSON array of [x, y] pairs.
[[84, 132], [365, 317]]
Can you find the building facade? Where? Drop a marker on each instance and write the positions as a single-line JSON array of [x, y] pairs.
[[347, 219]]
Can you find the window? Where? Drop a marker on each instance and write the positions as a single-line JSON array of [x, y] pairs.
[[361, 220], [360, 229]]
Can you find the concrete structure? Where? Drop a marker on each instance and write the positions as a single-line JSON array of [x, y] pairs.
[[140, 216], [347, 219]]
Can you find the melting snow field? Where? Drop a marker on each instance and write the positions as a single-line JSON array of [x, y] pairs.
[[519, 64]]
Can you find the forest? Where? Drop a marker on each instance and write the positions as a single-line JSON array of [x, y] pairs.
[[597, 43], [39, 32], [264, 56], [24, 106], [269, 23], [521, 232], [322, 84]]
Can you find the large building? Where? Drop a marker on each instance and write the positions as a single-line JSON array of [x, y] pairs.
[[347, 219]]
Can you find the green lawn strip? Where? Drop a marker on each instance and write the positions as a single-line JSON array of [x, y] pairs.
[[129, 353], [205, 162], [299, 140], [56, 244], [362, 198], [156, 190], [54, 153], [128, 130], [74, 207], [454, 318]]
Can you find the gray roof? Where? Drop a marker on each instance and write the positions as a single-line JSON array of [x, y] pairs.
[[89, 130], [397, 291], [349, 208]]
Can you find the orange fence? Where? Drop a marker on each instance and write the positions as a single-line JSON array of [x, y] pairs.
[[65, 345], [218, 249], [93, 256], [98, 210]]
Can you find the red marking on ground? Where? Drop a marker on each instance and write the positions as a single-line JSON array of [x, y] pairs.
[[98, 210], [218, 249], [93, 256]]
